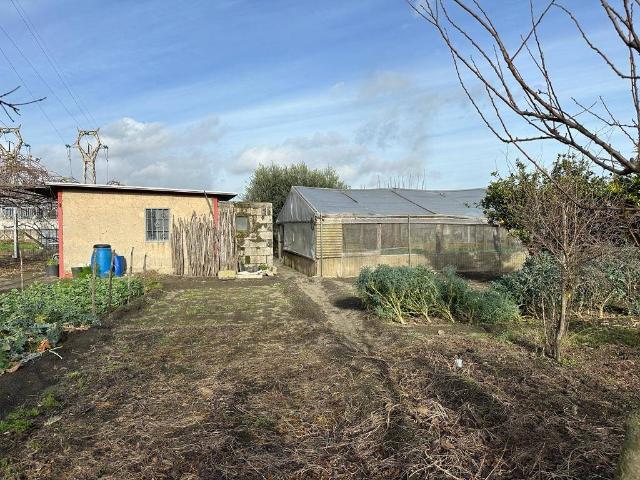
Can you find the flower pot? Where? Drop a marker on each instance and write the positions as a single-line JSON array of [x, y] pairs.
[[53, 270]]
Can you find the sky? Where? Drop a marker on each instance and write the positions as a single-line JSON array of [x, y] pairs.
[[197, 94]]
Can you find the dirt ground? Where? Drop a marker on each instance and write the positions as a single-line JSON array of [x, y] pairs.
[[288, 378]]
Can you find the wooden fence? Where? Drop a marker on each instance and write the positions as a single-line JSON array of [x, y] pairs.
[[201, 248]]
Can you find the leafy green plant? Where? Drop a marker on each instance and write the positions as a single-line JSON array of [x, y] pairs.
[[535, 287], [42, 311], [612, 280]]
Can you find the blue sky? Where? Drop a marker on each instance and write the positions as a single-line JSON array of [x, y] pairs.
[[196, 94]]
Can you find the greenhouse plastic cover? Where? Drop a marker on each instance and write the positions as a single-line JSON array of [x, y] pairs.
[[305, 203]]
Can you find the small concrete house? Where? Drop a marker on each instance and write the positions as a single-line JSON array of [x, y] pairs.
[[335, 233], [142, 218]]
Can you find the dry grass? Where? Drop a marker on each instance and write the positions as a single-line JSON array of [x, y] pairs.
[[256, 380]]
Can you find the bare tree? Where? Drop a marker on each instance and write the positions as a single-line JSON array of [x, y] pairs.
[[18, 175], [478, 48], [10, 107]]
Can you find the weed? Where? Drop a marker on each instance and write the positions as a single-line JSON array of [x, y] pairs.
[[264, 423], [49, 401], [6, 469], [19, 420]]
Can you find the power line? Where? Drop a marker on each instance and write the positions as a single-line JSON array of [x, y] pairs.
[[31, 93], [75, 120], [51, 59]]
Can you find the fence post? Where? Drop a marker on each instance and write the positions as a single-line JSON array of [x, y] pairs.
[[21, 272], [321, 245], [16, 251], [409, 236], [93, 283], [129, 277], [110, 279]]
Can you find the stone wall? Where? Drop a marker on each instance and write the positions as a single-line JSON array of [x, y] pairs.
[[254, 233]]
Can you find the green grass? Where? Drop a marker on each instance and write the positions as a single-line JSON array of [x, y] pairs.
[[21, 419], [24, 246], [528, 332], [6, 469], [49, 401], [598, 335]]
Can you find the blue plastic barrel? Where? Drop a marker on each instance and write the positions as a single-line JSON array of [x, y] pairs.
[[119, 265], [102, 254]]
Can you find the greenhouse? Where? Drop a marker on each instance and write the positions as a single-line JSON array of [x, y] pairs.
[[334, 233]]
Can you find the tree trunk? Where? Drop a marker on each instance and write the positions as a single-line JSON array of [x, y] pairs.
[[629, 462], [561, 327]]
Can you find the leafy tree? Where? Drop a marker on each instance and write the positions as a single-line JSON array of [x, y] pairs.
[[506, 196], [272, 183], [568, 213]]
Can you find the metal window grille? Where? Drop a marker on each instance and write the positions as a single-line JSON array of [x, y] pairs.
[[157, 224], [49, 236], [7, 212]]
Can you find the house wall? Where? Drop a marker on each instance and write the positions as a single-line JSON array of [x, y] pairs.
[[255, 244], [118, 218]]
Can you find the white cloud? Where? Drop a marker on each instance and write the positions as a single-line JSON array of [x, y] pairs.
[[370, 131], [318, 151], [151, 154], [386, 134]]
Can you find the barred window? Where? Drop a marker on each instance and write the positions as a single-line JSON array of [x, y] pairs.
[[157, 224], [49, 236]]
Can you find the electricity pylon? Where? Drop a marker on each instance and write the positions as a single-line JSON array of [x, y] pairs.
[[11, 153], [89, 155]]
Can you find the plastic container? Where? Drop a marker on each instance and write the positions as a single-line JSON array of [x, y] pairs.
[[102, 254], [119, 265]]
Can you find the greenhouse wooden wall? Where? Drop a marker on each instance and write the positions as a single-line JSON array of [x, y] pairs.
[[345, 245]]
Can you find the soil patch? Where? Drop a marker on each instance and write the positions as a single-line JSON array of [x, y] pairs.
[[290, 378]]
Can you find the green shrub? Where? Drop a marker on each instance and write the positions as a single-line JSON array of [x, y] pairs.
[[535, 287], [481, 306], [400, 292], [385, 290], [493, 306], [424, 296], [41, 311], [456, 294], [612, 280]]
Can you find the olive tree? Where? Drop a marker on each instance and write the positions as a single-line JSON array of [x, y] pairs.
[[271, 183]]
